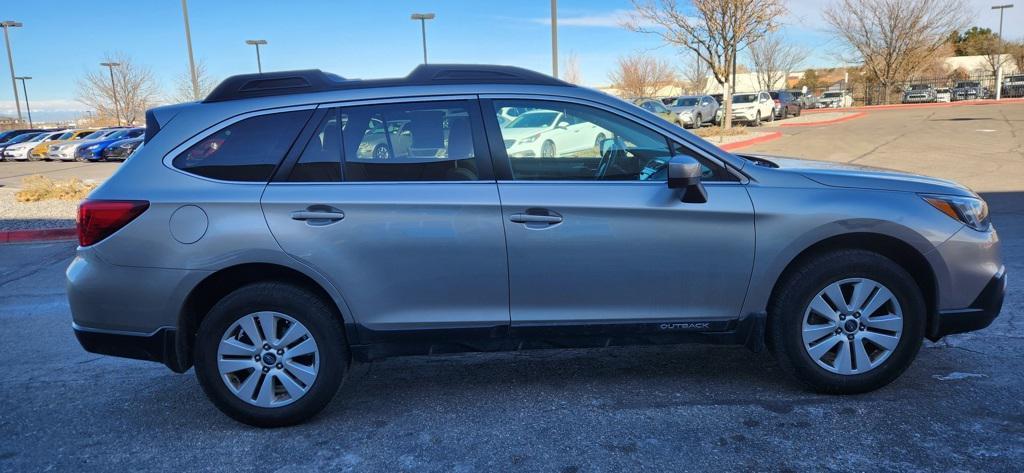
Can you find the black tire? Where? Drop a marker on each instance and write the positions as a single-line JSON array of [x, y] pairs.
[[597, 141], [305, 307], [698, 121], [757, 120], [794, 293], [799, 110], [785, 113], [381, 152]]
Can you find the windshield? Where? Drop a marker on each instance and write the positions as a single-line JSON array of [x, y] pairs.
[[687, 101], [66, 135], [1015, 79], [919, 87], [744, 98], [533, 120], [967, 84], [93, 135], [831, 95], [22, 138]]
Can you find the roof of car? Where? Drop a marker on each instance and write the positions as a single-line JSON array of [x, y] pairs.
[[314, 80]]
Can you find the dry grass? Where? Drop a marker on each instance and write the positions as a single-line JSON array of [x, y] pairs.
[[706, 132], [38, 188]]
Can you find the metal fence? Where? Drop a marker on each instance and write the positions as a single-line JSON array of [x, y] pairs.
[[961, 87]]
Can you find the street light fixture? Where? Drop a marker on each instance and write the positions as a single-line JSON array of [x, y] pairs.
[[999, 65], [113, 89], [257, 43], [28, 108], [423, 17], [6, 25]]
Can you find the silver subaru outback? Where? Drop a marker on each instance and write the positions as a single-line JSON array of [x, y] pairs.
[[294, 222]]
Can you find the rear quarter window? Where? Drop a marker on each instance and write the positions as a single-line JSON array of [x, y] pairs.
[[248, 150]]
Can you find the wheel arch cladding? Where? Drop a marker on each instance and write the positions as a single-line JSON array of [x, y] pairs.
[[901, 252], [222, 282]]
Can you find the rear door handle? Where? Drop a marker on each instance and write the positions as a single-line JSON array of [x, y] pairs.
[[530, 218], [318, 217]]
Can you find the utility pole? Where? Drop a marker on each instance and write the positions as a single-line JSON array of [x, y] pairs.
[[28, 108], [191, 60], [554, 38], [257, 43], [423, 17], [113, 89], [6, 25], [999, 65]]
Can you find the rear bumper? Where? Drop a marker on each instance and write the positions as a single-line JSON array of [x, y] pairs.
[[158, 346], [979, 315]]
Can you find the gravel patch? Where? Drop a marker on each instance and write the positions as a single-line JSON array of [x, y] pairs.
[[16, 215], [724, 140]]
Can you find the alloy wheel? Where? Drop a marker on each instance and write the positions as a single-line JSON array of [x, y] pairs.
[[852, 326], [268, 359]]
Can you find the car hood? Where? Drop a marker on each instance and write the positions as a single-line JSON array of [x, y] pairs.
[[866, 177], [517, 133], [682, 108]]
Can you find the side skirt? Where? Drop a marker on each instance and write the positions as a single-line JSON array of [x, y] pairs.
[[747, 331]]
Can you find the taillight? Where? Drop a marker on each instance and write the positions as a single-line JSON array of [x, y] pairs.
[[98, 219]]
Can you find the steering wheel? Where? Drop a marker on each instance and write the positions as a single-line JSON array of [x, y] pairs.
[[617, 149]]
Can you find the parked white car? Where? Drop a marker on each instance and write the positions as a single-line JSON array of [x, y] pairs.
[[942, 94], [835, 99], [752, 107], [550, 133], [20, 151]]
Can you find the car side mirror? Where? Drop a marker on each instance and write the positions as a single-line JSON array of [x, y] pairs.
[[562, 125], [684, 172]]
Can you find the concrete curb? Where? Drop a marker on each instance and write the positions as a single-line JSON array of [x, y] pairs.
[[827, 122], [898, 106], [760, 139], [47, 234]]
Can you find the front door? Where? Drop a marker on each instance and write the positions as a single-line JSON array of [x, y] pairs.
[[598, 239], [397, 207]]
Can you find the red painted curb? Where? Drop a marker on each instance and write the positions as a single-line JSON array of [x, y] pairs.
[[760, 139], [826, 122], [22, 236], [897, 106]]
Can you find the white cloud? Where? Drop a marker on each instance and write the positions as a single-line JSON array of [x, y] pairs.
[[56, 105], [612, 19]]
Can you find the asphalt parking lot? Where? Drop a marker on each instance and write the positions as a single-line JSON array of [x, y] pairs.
[[960, 407]]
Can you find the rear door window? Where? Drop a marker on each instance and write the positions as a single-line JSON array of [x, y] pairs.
[[248, 150]]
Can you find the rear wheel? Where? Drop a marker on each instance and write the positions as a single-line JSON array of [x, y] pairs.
[[847, 322], [270, 354]]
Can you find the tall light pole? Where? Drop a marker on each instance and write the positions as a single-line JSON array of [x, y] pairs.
[[423, 17], [554, 38], [28, 108], [257, 43], [10, 61], [113, 89], [999, 65], [191, 60]]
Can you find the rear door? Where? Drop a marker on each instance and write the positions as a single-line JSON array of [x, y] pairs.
[[395, 203], [601, 240]]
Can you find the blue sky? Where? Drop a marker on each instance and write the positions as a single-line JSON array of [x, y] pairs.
[[61, 40]]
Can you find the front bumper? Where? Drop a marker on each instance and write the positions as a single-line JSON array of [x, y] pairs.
[[979, 315]]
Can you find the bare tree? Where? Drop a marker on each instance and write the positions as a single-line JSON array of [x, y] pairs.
[[571, 69], [894, 38], [773, 59], [1016, 52], [713, 29], [134, 89], [183, 91], [696, 74], [641, 75]]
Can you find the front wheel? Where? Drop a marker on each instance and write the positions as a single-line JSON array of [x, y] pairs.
[[757, 120], [270, 354], [547, 150], [846, 322], [698, 121]]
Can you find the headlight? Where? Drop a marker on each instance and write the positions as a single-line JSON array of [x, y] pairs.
[[530, 139], [90, 148], [973, 212]]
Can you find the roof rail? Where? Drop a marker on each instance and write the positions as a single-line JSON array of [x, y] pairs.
[[314, 80]]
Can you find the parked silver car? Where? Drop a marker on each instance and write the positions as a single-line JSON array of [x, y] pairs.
[[695, 110], [249, 237]]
